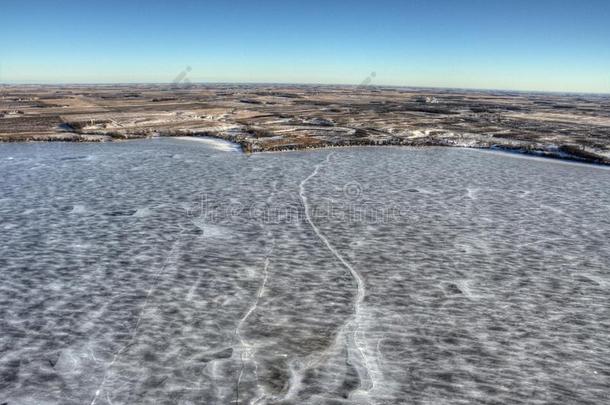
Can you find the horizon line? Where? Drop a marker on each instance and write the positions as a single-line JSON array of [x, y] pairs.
[[254, 83]]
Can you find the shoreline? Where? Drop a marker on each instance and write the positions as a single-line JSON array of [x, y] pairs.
[[247, 147], [280, 118]]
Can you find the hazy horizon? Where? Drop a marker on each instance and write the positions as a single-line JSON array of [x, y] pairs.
[[313, 84], [549, 46]]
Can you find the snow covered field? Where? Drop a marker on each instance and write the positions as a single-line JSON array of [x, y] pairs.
[[173, 272]]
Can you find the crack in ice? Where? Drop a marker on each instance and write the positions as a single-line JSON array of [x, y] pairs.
[[357, 277], [134, 332], [245, 352]]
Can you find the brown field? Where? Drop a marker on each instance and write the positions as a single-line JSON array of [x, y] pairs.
[[280, 117]]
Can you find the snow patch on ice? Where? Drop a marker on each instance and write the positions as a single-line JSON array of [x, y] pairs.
[[78, 209], [216, 144], [213, 231], [142, 212]]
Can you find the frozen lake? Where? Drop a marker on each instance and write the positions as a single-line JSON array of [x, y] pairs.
[[170, 271]]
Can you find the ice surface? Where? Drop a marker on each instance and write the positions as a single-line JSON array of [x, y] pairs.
[[165, 271]]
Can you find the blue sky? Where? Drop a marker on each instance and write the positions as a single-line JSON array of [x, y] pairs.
[[557, 45]]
